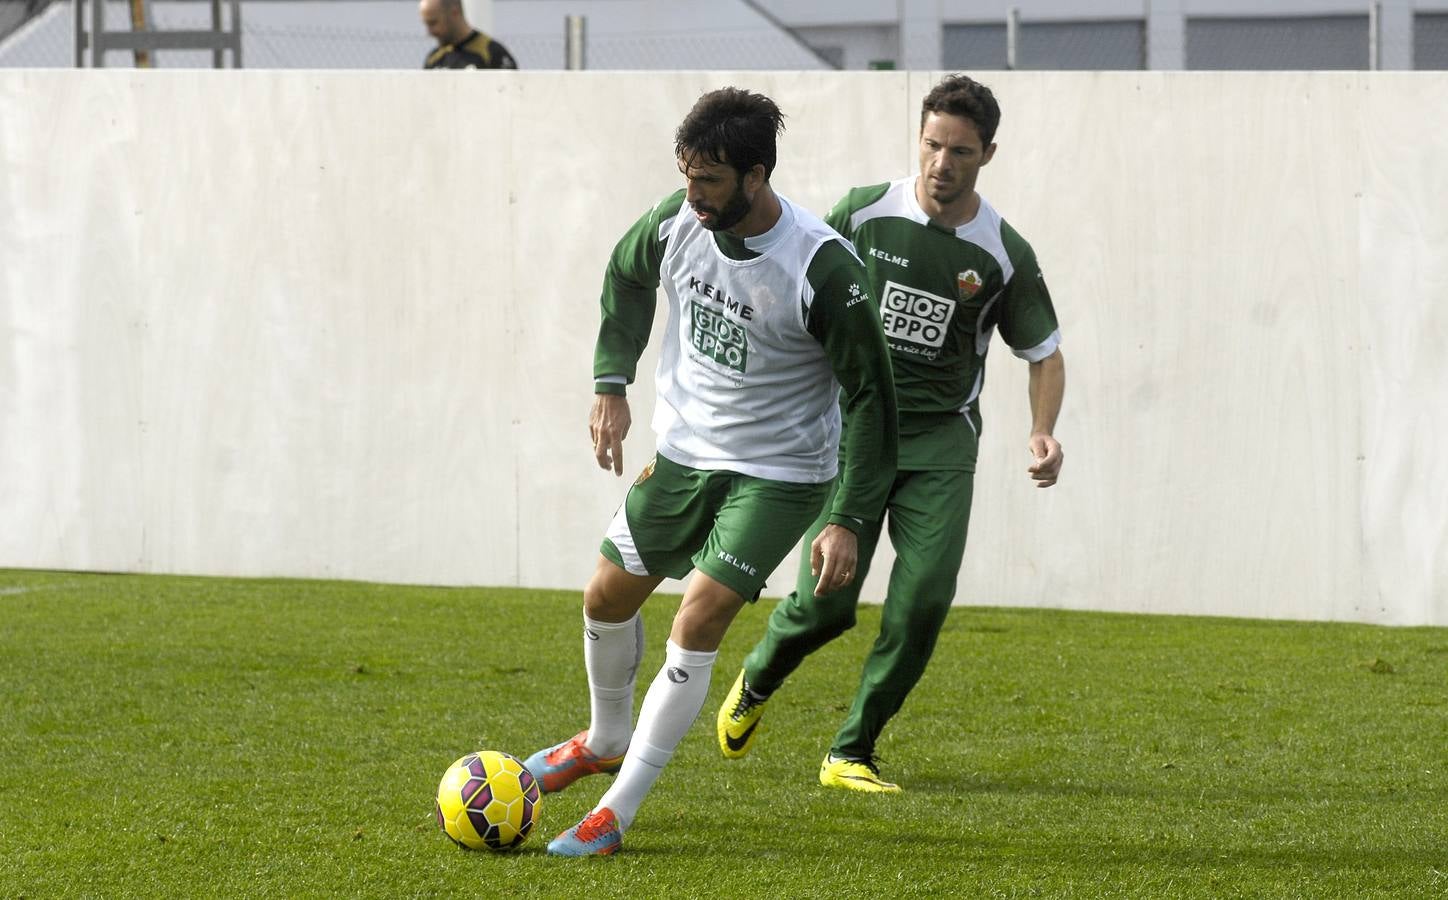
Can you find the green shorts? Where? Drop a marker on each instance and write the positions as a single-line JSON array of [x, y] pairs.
[[734, 528]]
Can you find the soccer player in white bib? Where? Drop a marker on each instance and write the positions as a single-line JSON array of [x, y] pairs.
[[771, 334], [948, 272]]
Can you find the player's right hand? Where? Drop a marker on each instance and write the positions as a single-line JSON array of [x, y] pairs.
[[608, 425]]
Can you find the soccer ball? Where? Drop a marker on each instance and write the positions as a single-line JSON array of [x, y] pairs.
[[487, 801]]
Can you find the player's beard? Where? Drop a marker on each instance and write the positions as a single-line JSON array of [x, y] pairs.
[[945, 196], [734, 211]]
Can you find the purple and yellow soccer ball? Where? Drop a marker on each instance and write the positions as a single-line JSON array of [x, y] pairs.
[[488, 801]]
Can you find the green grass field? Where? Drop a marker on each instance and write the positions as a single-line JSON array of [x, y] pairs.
[[189, 737]]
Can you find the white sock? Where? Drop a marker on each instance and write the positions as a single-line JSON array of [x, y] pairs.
[[670, 707], [611, 654]]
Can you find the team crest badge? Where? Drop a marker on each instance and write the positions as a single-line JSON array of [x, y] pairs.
[[648, 470], [968, 282]]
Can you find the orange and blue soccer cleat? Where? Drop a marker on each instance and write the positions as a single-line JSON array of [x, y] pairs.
[[558, 766], [597, 835]]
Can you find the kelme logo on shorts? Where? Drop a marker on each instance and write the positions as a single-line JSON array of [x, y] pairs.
[[738, 563], [915, 316], [717, 338]]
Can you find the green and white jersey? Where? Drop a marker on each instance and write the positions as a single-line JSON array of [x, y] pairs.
[[763, 337], [943, 292]]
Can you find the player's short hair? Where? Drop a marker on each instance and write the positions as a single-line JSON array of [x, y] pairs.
[[731, 126], [961, 95]]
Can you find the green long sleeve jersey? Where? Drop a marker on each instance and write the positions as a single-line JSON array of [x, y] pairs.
[[943, 293], [767, 338]]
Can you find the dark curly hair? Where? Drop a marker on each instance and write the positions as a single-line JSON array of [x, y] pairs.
[[731, 126], [960, 95]]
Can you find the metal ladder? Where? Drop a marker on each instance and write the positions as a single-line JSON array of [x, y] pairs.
[[142, 40]]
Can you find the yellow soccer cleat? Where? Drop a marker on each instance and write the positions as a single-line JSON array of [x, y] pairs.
[[854, 775], [738, 720]]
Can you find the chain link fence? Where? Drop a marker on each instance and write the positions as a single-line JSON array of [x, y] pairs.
[[275, 35], [1299, 43], [386, 34], [378, 34], [1249, 43], [714, 49], [1048, 45], [15, 12], [1430, 41]]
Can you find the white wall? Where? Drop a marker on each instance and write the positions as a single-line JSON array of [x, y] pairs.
[[308, 324]]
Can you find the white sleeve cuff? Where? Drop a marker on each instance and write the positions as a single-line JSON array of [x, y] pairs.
[[1042, 350]]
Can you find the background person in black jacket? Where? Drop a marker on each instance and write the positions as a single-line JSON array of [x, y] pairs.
[[460, 45]]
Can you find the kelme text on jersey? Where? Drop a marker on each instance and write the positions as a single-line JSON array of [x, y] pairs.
[[900, 261], [743, 310]]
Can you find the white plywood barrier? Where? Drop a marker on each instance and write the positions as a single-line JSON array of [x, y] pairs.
[[341, 325], [1402, 287], [1187, 226]]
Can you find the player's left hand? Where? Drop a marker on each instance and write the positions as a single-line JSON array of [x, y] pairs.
[[832, 559], [1046, 451]]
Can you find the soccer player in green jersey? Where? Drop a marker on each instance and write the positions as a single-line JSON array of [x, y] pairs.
[[948, 272], [770, 324]]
